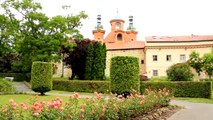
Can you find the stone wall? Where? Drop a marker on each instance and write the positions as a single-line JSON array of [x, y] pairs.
[[58, 70]]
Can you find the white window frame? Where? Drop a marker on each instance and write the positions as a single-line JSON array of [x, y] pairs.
[[182, 58]]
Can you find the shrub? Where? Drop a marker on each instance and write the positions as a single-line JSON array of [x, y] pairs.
[[41, 77], [182, 88], [17, 76], [81, 86], [124, 74], [179, 72], [6, 86]]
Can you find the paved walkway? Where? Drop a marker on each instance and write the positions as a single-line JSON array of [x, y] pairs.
[[193, 111], [21, 87]]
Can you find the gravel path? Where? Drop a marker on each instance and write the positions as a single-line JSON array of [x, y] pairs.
[[21, 87], [193, 111]]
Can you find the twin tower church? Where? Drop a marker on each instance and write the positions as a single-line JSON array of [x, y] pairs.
[[155, 53]]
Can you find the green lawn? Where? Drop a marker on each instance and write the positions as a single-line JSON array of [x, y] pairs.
[[19, 98], [196, 100]]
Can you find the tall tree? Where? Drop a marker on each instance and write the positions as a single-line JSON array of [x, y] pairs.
[[89, 62], [208, 63], [99, 63], [39, 37], [196, 62]]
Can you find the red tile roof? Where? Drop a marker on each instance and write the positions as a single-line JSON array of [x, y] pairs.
[[192, 38], [125, 45]]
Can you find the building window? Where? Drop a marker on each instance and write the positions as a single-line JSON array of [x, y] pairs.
[[142, 61], [155, 58], [119, 37], [168, 58], [182, 58], [155, 72]]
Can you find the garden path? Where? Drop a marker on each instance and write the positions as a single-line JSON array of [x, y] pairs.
[[21, 87], [192, 111]]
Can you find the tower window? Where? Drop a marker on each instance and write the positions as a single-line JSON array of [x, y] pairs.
[[119, 37], [118, 25]]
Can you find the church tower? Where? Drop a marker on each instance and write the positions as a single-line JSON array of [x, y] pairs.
[[99, 32], [131, 30]]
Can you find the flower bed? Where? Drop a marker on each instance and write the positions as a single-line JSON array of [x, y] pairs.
[[91, 108]]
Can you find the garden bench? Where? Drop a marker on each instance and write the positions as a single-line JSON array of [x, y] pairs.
[[9, 78]]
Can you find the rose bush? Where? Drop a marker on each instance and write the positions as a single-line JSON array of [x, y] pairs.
[[90, 108]]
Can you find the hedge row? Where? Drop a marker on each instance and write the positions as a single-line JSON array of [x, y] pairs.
[[17, 76], [6, 86], [81, 86], [178, 89], [182, 88]]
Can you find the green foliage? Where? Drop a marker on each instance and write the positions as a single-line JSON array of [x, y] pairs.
[[99, 62], [196, 62], [182, 88], [208, 63], [124, 74], [41, 77], [17, 76], [81, 86], [179, 72], [158, 79], [6, 62], [89, 62], [6, 86], [36, 36]]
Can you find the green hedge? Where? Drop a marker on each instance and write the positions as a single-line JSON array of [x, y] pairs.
[[17, 76], [6, 86], [41, 77], [124, 74], [182, 88], [81, 86]]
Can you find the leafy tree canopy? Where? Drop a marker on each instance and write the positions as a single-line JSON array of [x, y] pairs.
[[34, 35]]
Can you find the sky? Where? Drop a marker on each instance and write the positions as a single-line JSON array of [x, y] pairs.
[[151, 17]]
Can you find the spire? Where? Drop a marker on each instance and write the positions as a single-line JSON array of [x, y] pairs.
[[117, 16], [99, 26], [131, 27]]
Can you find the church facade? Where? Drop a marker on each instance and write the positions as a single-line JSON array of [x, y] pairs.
[[155, 53]]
